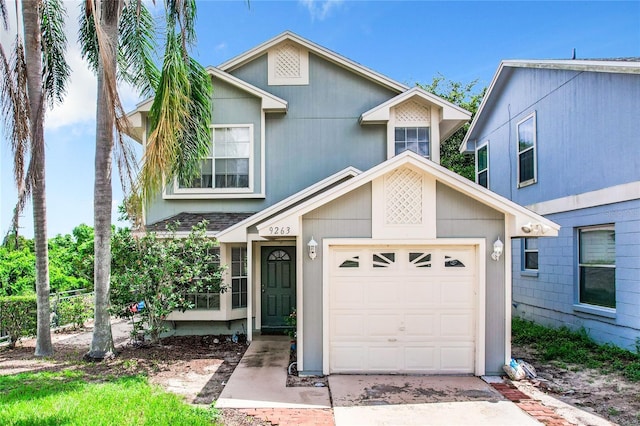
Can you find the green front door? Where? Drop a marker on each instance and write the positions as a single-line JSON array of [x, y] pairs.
[[278, 286]]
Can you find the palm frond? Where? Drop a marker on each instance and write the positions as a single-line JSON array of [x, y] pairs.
[[137, 44], [87, 36], [4, 15], [55, 69], [168, 111]]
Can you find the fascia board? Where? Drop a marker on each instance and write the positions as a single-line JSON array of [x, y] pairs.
[[251, 54], [237, 233], [619, 67], [520, 214]]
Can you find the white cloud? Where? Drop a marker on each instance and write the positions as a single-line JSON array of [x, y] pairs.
[[320, 9]]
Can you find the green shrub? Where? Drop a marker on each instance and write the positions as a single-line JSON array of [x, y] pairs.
[[18, 317], [74, 310]]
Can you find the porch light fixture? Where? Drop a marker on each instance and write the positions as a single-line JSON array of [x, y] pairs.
[[498, 247], [312, 245], [534, 228]]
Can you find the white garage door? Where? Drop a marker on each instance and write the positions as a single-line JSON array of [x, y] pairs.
[[397, 309]]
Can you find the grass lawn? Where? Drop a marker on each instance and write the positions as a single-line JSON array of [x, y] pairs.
[[576, 348], [69, 398]]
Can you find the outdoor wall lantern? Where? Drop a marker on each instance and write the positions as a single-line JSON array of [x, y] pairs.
[[498, 247], [312, 245]]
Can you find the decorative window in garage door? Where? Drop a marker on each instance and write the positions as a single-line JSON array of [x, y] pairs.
[[420, 259], [352, 262], [383, 260], [451, 262]]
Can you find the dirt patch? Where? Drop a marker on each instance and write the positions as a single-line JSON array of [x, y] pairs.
[[295, 380], [196, 367], [608, 395]]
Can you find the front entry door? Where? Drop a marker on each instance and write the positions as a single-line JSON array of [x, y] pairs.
[[278, 286]]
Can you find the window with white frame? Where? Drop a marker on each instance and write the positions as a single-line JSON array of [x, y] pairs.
[[415, 139], [526, 136], [227, 167], [238, 277], [530, 254], [482, 165], [207, 299], [597, 266]]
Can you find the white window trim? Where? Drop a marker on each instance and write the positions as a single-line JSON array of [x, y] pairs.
[[534, 148], [587, 307], [223, 191], [524, 256], [432, 125], [478, 148], [232, 277]]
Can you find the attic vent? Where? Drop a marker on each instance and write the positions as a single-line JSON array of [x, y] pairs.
[[288, 65], [287, 61], [412, 112], [403, 189]]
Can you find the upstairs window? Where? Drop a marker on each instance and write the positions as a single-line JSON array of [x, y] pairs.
[[415, 139], [526, 135], [227, 167], [482, 165], [597, 264]]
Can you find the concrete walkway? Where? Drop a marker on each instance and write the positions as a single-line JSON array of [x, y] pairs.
[[260, 380]]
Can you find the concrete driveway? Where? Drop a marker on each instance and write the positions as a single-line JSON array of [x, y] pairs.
[[419, 400]]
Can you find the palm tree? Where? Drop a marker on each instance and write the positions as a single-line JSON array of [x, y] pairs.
[[36, 76], [117, 39]]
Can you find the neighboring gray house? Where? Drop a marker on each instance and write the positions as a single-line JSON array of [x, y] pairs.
[[561, 137], [324, 190]]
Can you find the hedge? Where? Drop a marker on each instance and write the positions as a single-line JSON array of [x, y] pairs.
[[17, 317]]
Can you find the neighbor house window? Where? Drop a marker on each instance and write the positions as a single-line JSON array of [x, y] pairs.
[[238, 277], [228, 164], [597, 264], [415, 139], [530, 254], [482, 165], [527, 151]]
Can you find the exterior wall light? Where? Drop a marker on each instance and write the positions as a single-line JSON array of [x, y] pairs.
[[498, 247], [312, 245]]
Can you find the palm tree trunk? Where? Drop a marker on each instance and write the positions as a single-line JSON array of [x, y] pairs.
[[33, 59], [102, 341]]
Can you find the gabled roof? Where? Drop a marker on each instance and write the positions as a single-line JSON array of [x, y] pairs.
[[318, 50], [516, 215], [270, 102], [238, 232], [615, 66], [453, 116]]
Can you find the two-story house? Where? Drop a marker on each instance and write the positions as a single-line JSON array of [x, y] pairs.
[[324, 190], [560, 137]]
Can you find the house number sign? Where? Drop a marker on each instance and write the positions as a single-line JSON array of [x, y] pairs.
[[279, 230]]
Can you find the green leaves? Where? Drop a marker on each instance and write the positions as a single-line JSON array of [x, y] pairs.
[[55, 70]]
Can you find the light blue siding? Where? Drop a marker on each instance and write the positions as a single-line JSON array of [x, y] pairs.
[[317, 137], [550, 296]]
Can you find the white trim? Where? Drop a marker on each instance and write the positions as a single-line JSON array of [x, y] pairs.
[[270, 102], [300, 253], [613, 194], [622, 67], [214, 192], [478, 148], [533, 148], [272, 59], [508, 293], [479, 245], [257, 51], [516, 214], [237, 231]]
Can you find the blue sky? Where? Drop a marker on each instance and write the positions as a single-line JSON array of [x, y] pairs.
[[409, 41]]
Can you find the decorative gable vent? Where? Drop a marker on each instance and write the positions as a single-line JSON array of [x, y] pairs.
[[412, 112], [403, 189], [288, 65], [287, 61]]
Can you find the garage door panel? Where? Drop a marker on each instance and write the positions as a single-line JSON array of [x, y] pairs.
[[403, 310], [381, 325], [423, 325], [457, 326]]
